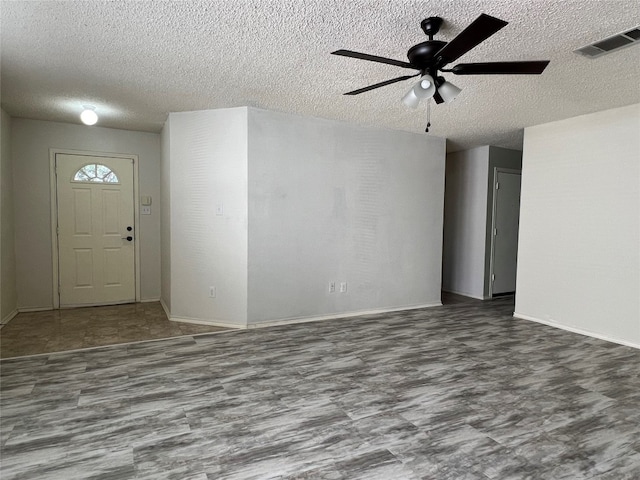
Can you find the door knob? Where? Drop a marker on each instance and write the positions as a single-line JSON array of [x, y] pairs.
[[128, 239], [129, 229]]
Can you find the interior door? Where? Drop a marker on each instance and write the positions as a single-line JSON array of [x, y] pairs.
[[96, 231], [505, 233]]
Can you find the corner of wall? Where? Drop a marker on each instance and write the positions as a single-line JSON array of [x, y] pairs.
[[165, 217], [206, 160], [464, 235], [8, 286]]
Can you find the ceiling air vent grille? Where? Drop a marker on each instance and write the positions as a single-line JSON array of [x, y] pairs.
[[611, 44]]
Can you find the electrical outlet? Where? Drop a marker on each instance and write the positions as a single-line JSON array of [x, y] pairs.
[[343, 287], [332, 287], [212, 292]]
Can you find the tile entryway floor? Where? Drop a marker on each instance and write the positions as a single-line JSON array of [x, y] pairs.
[[70, 329]]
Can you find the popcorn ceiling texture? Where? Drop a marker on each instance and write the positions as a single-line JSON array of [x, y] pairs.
[[136, 61]]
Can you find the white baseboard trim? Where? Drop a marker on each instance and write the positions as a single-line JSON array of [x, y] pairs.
[[580, 331], [199, 321], [212, 323], [358, 313], [8, 317], [165, 308], [149, 300], [34, 309], [466, 295]]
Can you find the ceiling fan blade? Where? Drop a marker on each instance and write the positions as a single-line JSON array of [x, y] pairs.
[[477, 32], [373, 58], [501, 68], [381, 84]]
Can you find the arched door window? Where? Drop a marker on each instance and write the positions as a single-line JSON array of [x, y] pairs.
[[96, 173]]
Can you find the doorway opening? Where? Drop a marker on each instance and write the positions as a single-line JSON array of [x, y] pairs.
[[504, 231]]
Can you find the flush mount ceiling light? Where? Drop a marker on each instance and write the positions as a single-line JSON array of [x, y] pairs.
[[89, 115], [432, 56]]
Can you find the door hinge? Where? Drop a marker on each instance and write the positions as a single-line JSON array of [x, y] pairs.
[[493, 277], [497, 186], [495, 232]]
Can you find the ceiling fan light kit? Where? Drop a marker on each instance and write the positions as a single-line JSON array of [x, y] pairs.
[[410, 99], [448, 91], [430, 58], [425, 88]]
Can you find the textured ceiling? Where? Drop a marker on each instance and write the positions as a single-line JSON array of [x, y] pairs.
[[136, 61]]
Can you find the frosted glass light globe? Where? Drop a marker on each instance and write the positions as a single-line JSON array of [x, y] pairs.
[[89, 117]]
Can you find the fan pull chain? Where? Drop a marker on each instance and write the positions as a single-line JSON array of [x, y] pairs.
[[428, 115]]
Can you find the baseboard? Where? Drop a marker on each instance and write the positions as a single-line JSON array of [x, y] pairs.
[[149, 300], [165, 308], [198, 321], [466, 295], [580, 331], [290, 321], [34, 309], [358, 313], [8, 317], [211, 323]]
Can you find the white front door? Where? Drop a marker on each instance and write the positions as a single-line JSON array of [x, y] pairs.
[[505, 233], [96, 231]]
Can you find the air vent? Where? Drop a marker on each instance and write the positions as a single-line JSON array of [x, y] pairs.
[[611, 44]]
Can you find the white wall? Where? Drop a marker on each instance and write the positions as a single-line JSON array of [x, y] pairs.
[[465, 222], [329, 201], [8, 296], [31, 141], [208, 169], [165, 216], [579, 252]]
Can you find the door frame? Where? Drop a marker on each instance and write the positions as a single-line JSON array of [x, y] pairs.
[[497, 170], [53, 152]]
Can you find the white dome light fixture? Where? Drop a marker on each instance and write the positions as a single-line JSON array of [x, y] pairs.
[[89, 115]]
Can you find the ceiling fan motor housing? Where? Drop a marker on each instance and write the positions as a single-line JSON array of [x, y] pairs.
[[422, 54]]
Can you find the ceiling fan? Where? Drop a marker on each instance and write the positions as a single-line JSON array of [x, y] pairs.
[[430, 58]]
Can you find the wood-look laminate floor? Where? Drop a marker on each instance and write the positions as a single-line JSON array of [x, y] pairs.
[[462, 391]]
